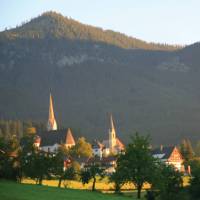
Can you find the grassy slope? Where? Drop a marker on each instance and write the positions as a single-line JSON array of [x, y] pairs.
[[13, 191]]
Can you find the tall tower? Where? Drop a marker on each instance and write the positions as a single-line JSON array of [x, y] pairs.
[[51, 124], [112, 135]]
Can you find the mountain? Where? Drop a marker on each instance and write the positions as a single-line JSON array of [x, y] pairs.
[[54, 25], [155, 92]]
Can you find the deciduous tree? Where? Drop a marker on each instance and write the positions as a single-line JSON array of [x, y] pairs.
[[91, 172], [82, 148], [138, 162]]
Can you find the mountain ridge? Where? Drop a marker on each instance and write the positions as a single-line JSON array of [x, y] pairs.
[[51, 24]]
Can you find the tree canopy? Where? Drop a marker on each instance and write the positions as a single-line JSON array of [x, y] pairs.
[[82, 148], [138, 162]]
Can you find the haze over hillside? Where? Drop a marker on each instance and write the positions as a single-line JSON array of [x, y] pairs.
[[151, 88]]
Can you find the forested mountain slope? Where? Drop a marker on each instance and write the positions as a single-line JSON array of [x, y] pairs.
[[151, 91]]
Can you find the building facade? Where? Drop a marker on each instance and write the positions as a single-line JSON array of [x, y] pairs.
[[169, 155]]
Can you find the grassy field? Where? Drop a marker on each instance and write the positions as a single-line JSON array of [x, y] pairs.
[[29, 191], [14, 191], [103, 185]]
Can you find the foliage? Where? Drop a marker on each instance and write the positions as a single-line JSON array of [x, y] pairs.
[[186, 150], [138, 162], [119, 177], [9, 163], [69, 174], [35, 163], [77, 169], [18, 128], [197, 149], [116, 74], [91, 172], [58, 164], [167, 181], [72, 168], [58, 160], [81, 149], [38, 165], [54, 25], [195, 179]]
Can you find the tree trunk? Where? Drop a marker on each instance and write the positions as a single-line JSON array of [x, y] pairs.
[[60, 181], [117, 188], [139, 188], [40, 180], [93, 185]]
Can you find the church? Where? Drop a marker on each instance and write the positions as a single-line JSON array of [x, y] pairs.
[[106, 150], [112, 145], [51, 139]]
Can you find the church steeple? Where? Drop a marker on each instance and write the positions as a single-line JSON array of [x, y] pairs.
[[51, 125], [112, 135], [112, 124]]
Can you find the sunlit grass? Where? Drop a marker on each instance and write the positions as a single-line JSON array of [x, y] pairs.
[[103, 185], [186, 180], [15, 191]]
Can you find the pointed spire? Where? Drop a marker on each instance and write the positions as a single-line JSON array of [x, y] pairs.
[[112, 127], [69, 139], [51, 111], [112, 135], [51, 125]]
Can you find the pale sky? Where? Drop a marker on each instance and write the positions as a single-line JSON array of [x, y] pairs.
[[163, 21]]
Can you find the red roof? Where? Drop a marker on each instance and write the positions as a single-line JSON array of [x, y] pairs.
[[37, 139], [70, 138], [119, 143]]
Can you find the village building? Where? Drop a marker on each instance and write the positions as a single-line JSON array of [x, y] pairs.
[[37, 141], [70, 142], [51, 140], [169, 155], [107, 163], [103, 153], [113, 145], [110, 164], [97, 148]]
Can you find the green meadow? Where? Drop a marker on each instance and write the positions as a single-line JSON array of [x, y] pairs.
[[16, 191]]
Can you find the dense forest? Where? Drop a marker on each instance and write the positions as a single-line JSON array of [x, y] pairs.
[[151, 91], [54, 25], [20, 129]]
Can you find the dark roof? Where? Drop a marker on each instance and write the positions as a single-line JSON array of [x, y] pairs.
[[49, 138], [94, 160], [167, 151], [109, 159]]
